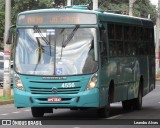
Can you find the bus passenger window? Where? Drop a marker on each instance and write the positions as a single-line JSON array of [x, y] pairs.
[[111, 31], [139, 36], [120, 49], [133, 33], [112, 48], [118, 31], [142, 48], [126, 33]]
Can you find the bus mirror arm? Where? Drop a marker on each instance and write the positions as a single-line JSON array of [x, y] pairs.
[[9, 35]]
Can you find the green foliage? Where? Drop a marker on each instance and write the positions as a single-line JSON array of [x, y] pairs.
[[59, 3], [2, 7], [19, 6], [82, 2], [1, 24], [121, 7], [2, 18], [142, 8], [6, 98]]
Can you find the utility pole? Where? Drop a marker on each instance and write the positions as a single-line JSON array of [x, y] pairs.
[[157, 35], [69, 2], [95, 4], [131, 2], [7, 51]]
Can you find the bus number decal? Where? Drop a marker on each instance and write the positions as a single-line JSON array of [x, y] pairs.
[[68, 85]]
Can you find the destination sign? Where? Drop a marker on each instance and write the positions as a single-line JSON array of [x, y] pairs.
[[56, 18]]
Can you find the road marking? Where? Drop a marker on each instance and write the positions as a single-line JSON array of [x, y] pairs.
[[4, 114], [116, 103], [159, 102], [113, 117], [16, 112], [27, 110]]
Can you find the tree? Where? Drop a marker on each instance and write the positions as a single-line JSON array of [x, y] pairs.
[[143, 8], [2, 7], [59, 3], [1, 24], [19, 6], [82, 2]]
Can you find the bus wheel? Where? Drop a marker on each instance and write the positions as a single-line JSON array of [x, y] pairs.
[[37, 112], [127, 105], [137, 102], [104, 112]]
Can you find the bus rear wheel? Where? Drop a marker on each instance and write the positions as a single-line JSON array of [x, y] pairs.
[[127, 105], [37, 111], [137, 103]]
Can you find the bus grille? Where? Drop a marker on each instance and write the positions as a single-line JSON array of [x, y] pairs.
[[37, 90]]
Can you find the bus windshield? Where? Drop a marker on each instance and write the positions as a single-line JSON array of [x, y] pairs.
[[56, 51]]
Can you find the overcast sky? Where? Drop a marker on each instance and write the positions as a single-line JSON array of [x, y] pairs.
[[155, 2]]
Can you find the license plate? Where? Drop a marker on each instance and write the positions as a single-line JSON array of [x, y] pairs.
[[54, 99]]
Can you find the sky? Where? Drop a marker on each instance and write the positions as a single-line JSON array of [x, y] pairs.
[[155, 2]]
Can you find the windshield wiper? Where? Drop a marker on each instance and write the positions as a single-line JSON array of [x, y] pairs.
[[40, 47], [36, 29], [40, 52], [64, 43]]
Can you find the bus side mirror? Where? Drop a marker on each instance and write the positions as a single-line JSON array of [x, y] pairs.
[[9, 38]]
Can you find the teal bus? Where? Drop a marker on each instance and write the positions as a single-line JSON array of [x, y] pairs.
[[78, 58]]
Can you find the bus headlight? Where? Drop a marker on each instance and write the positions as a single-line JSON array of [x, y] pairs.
[[18, 82], [92, 82]]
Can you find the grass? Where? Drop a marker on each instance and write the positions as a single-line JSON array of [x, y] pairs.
[[6, 98]]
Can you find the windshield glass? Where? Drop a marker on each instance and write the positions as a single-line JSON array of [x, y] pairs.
[[56, 51]]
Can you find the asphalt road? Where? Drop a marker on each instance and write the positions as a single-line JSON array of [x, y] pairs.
[[150, 111]]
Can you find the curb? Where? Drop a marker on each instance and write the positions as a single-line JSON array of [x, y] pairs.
[[6, 102]]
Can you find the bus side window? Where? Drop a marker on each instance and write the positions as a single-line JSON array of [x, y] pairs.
[[112, 48], [111, 38], [127, 33], [119, 39], [120, 49], [139, 38], [118, 32], [151, 43], [146, 40], [111, 31]]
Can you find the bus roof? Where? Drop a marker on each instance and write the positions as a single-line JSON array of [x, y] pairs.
[[119, 18], [57, 10], [102, 15]]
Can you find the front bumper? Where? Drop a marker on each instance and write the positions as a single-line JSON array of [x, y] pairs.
[[89, 98]]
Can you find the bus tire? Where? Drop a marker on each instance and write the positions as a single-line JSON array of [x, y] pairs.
[[137, 102], [127, 105], [37, 111], [105, 111]]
